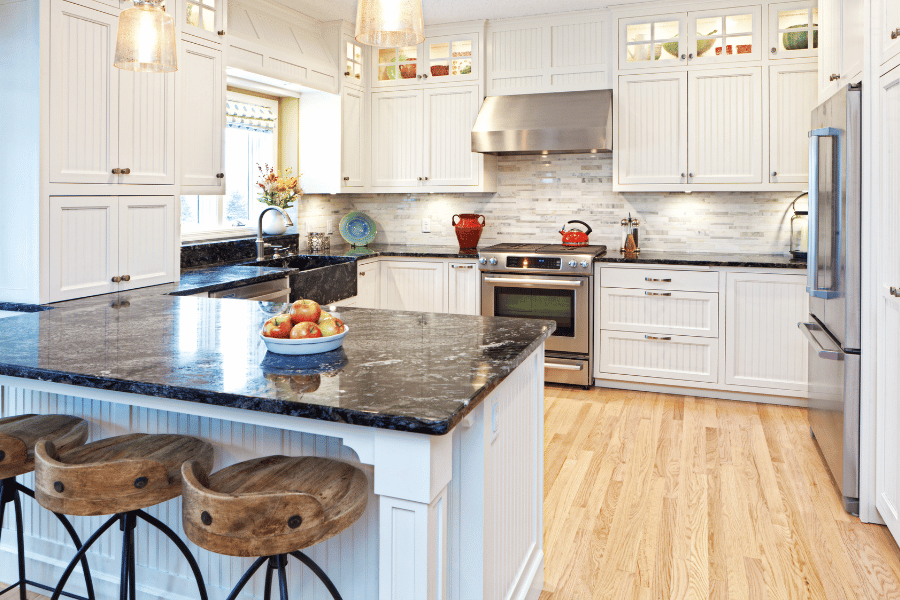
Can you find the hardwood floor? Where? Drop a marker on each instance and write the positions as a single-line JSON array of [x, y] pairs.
[[658, 497], [650, 496]]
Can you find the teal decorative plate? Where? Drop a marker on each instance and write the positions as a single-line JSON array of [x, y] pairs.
[[358, 229]]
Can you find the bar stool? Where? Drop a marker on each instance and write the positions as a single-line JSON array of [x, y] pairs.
[[18, 436], [272, 508], [119, 476]]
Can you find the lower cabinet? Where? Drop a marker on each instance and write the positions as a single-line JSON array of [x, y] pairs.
[[463, 289], [653, 355], [367, 288], [104, 244], [414, 286]]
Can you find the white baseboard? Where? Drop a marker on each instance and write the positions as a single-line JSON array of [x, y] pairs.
[[702, 393]]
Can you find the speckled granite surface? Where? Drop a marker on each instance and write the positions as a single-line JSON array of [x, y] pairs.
[[417, 372], [704, 259], [195, 281], [19, 307]]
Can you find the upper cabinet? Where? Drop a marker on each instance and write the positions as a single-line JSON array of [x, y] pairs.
[[886, 21], [203, 18], [202, 118], [840, 57], [653, 42], [559, 53], [793, 30], [437, 60], [353, 57]]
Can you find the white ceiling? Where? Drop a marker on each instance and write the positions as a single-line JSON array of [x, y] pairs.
[[444, 11]]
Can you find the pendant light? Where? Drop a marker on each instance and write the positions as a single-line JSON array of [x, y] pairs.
[[390, 23], [146, 39]]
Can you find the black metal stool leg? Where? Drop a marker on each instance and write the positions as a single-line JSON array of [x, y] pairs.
[[319, 573], [126, 580], [80, 554], [245, 578], [181, 547], [282, 576], [270, 569], [73, 535], [20, 542]]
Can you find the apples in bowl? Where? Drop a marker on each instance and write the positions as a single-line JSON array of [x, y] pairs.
[[305, 329]]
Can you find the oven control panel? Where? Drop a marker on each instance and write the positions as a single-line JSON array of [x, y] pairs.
[[543, 263], [501, 262]]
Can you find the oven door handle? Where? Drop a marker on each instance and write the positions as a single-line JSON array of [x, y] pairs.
[[559, 283], [550, 365]]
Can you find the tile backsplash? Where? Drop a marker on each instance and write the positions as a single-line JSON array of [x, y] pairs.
[[537, 195]]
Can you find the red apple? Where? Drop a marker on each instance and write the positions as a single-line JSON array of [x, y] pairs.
[[331, 327], [305, 330], [278, 326], [305, 311], [325, 316]]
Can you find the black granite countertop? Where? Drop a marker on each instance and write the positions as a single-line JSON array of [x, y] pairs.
[[417, 372], [704, 259], [214, 279]]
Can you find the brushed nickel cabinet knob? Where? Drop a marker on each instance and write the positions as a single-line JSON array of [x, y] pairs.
[[116, 279], [126, 277], [126, 171], [774, 173], [117, 171]]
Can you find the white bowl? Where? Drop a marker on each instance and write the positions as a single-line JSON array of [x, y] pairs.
[[305, 346]]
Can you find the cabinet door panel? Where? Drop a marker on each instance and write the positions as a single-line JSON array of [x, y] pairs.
[[852, 42], [793, 30], [464, 290], [672, 313], [830, 48], [352, 146], [147, 127], [146, 240], [449, 116], [416, 286], [367, 286], [653, 128], [202, 117], [883, 27], [665, 356], [793, 95], [397, 139], [659, 41], [723, 36], [764, 346], [84, 246], [84, 95], [724, 141]]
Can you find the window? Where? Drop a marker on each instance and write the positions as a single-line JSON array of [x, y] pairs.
[[251, 139]]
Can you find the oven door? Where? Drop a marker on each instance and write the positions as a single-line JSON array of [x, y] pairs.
[[565, 300]]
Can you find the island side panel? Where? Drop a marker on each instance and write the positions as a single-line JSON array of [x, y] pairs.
[[350, 559]]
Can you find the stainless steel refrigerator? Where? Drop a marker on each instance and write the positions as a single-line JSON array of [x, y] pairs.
[[833, 329]]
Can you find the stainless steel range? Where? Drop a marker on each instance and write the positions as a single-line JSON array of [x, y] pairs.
[[544, 281]]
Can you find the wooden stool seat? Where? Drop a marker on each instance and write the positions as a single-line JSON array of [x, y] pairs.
[[19, 435], [115, 475], [271, 506]]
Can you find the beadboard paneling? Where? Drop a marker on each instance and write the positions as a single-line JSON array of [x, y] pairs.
[[397, 138], [677, 313], [416, 286], [679, 358], [517, 49], [577, 44], [147, 127], [449, 116], [793, 96]]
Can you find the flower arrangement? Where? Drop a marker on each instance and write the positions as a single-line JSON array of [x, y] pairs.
[[277, 189]]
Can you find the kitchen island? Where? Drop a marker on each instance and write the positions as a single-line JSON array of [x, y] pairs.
[[444, 413]]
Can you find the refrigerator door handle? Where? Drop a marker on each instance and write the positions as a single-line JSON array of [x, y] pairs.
[[812, 267], [807, 329]]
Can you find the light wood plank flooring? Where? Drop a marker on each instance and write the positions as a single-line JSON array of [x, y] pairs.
[[650, 496], [661, 497]]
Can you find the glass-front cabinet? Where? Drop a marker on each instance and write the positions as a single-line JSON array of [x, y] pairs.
[[717, 36], [203, 18], [793, 30], [437, 60], [353, 61], [653, 42]]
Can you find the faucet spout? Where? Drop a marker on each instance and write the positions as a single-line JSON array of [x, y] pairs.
[[260, 244]]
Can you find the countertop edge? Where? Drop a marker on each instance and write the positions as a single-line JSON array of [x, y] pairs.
[[238, 282], [702, 262]]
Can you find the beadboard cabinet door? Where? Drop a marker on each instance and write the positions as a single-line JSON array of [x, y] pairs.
[[450, 113], [463, 289], [147, 127], [146, 240], [202, 119], [653, 128], [681, 358], [353, 140], [84, 95], [397, 137], [367, 285], [669, 313], [724, 124], [763, 345], [793, 95], [84, 246], [417, 286]]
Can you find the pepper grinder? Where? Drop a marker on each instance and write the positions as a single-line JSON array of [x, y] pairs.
[[630, 230]]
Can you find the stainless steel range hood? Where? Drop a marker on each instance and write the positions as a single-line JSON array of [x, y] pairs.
[[557, 123]]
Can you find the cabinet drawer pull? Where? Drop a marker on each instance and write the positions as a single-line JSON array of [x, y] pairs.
[[221, 32], [116, 279], [117, 171], [657, 280], [834, 77], [657, 293], [346, 179], [220, 175], [346, 73], [691, 175], [895, 33], [690, 56], [658, 337], [126, 277], [462, 266], [683, 57], [420, 179], [362, 274], [126, 171], [774, 173], [773, 50], [895, 292]]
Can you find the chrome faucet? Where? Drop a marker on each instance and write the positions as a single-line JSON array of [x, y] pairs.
[[260, 244]]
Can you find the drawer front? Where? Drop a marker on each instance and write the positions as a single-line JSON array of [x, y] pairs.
[[668, 357], [660, 279], [672, 313]]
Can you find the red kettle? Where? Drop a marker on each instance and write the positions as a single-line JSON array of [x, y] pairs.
[[575, 237]]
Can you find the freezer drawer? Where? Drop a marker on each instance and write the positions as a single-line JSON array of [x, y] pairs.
[[834, 409]]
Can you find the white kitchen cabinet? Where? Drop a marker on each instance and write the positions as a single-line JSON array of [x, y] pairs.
[[450, 113], [723, 36], [660, 312], [886, 28], [418, 286], [724, 126], [463, 289], [109, 125], [202, 119], [668, 357], [657, 41], [653, 128], [368, 285], [763, 346], [437, 60], [793, 30], [840, 56], [96, 240], [852, 42], [353, 140], [397, 138], [353, 57], [792, 98], [204, 19]]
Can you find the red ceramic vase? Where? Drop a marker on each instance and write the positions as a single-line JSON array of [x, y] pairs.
[[468, 230]]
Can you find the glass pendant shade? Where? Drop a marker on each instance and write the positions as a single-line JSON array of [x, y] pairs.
[[390, 23], [146, 39]]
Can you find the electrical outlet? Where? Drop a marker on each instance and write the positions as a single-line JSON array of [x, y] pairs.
[[329, 226], [426, 225]]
